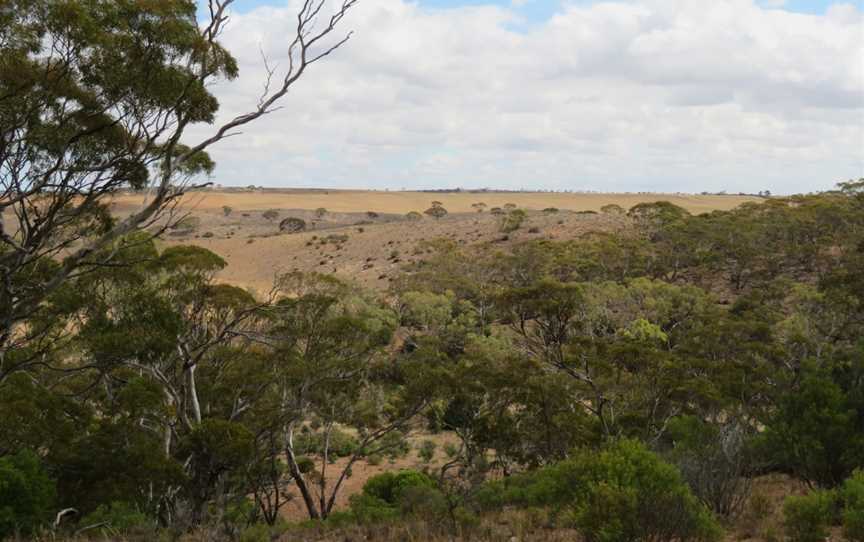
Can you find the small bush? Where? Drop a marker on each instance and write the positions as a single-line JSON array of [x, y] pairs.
[[550, 210], [372, 215], [118, 517], [852, 496], [512, 221], [271, 214], [612, 209], [621, 494], [341, 444], [292, 225], [427, 451], [388, 486], [807, 518], [26, 494], [413, 216]]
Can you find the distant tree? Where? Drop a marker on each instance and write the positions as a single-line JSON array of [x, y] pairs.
[[658, 212], [479, 206], [271, 214], [292, 225], [436, 211], [320, 212]]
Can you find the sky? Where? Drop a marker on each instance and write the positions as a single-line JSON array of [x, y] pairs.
[[612, 96]]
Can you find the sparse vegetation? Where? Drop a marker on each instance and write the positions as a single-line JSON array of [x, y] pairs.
[[270, 214]]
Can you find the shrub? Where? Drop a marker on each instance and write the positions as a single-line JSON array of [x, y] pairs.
[[852, 496], [436, 211], [26, 494], [550, 210], [226, 210], [413, 216], [512, 221], [391, 494], [660, 212], [427, 451], [341, 444], [806, 518], [815, 433], [371, 215], [497, 211], [320, 212], [623, 493], [292, 225], [612, 209], [715, 461], [271, 214], [388, 486], [118, 517]]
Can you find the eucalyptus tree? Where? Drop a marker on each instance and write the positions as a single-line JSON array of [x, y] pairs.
[[96, 98]]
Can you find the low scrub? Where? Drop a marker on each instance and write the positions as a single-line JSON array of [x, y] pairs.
[[620, 494]]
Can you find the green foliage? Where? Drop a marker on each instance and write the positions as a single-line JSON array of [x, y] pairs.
[[312, 443], [117, 518], [427, 451], [27, 494], [807, 518], [390, 495], [852, 497], [612, 209], [622, 493], [661, 213], [389, 486], [816, 430]]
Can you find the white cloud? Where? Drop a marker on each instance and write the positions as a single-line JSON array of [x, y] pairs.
[[648, 94]]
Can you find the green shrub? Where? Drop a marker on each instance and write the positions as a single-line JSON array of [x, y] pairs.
[[341, 444], [622, 493], [807, 518], [26, 494], [388, 486], [512, 221], [117, 517], [852, 496], [427, 451]]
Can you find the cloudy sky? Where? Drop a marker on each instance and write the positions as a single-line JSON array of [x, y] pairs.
[[629, 95]]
